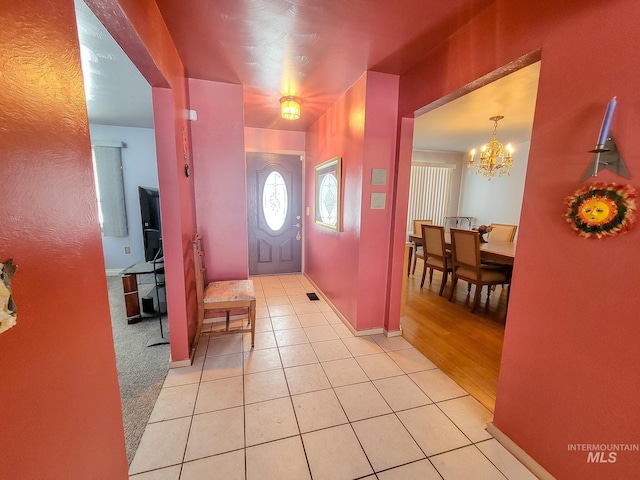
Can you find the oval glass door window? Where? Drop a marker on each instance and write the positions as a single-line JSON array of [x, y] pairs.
[[275, 201]]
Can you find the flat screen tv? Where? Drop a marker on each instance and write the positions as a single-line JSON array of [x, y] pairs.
[[151, 226]]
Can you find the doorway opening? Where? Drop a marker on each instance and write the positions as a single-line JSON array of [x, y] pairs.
[[120, 113], [467, 346]]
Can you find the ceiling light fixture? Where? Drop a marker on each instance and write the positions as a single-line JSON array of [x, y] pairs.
[[290, 107], [495, 159]]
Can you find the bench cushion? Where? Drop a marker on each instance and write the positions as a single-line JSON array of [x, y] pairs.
[[229, 291]]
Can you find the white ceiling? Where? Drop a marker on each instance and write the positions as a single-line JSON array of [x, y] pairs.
[[463, 124], [117, 94]]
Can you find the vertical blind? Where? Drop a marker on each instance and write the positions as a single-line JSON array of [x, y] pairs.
[[429, 192], [110, 189]]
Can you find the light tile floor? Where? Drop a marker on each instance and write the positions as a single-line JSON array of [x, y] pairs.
[[311, 401]]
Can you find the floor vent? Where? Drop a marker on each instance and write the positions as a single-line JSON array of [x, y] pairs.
[[313, 296]]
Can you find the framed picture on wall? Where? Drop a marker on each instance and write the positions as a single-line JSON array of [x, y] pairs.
[[328, 191]]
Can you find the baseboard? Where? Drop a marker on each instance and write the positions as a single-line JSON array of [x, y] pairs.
[[356, 333], [519, 453], [187, 362], [393, 333]]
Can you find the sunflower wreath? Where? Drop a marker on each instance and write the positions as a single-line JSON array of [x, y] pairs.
[[601, 209]]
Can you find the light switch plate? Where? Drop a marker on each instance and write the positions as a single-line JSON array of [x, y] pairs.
[[378, 201]]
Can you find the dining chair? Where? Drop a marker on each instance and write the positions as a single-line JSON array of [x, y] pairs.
[[436, 255], [465, 251], [222, 296], [501, 232], [418, 250]]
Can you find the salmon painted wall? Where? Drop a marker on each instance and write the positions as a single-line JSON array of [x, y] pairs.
[[351, 266], [400, 198], [220, 177], [180, 297], [273, 141], [569, 364], [139, 29], [331, 258], [381, 112], [61, 414]]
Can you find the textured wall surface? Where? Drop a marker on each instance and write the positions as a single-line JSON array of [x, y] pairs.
[[59, 390]]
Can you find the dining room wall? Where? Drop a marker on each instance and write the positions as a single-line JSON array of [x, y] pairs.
[[498, 200]]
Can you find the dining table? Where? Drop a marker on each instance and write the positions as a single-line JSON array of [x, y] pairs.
[[500, 252]]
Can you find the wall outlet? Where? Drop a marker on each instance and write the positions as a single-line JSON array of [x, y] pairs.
[[127, 250]]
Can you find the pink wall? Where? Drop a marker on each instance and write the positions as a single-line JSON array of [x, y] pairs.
[[569, 364], [274, 141], [181, 304], [61, 414], [220, 175], [375, 224], [331, 258], [360, 128], [397, 270]]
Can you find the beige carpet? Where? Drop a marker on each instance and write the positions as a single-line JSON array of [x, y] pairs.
[[141, 369]]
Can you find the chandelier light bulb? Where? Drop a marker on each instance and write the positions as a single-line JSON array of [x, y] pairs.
[[495, 158]]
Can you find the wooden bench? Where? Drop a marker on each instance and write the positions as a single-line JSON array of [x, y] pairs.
[[222, 296]]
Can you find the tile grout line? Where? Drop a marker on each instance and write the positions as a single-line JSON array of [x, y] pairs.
[[349, 421]]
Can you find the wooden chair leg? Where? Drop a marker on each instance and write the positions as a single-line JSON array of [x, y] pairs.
[[252, 319], [430, 276], [444, 282], [424, 274], [476, 298], [454, 282]]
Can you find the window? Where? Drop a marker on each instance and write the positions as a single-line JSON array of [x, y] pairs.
[[275, 201], [429, 192], [107, 168]]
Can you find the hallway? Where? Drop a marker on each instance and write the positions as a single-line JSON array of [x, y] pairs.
[[313, 401]]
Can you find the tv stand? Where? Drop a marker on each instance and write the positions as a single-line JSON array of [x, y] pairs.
[[132, 301]]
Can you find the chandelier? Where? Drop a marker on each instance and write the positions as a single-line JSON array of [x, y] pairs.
[[290, 107], [495, 159]]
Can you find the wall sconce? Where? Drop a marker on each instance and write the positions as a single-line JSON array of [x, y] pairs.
[[290, 107], [606, 152]]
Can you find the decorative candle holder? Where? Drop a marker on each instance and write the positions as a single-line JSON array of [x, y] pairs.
[[607, 157]]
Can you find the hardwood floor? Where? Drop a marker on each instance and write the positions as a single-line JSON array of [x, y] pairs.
[[465, 346]]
